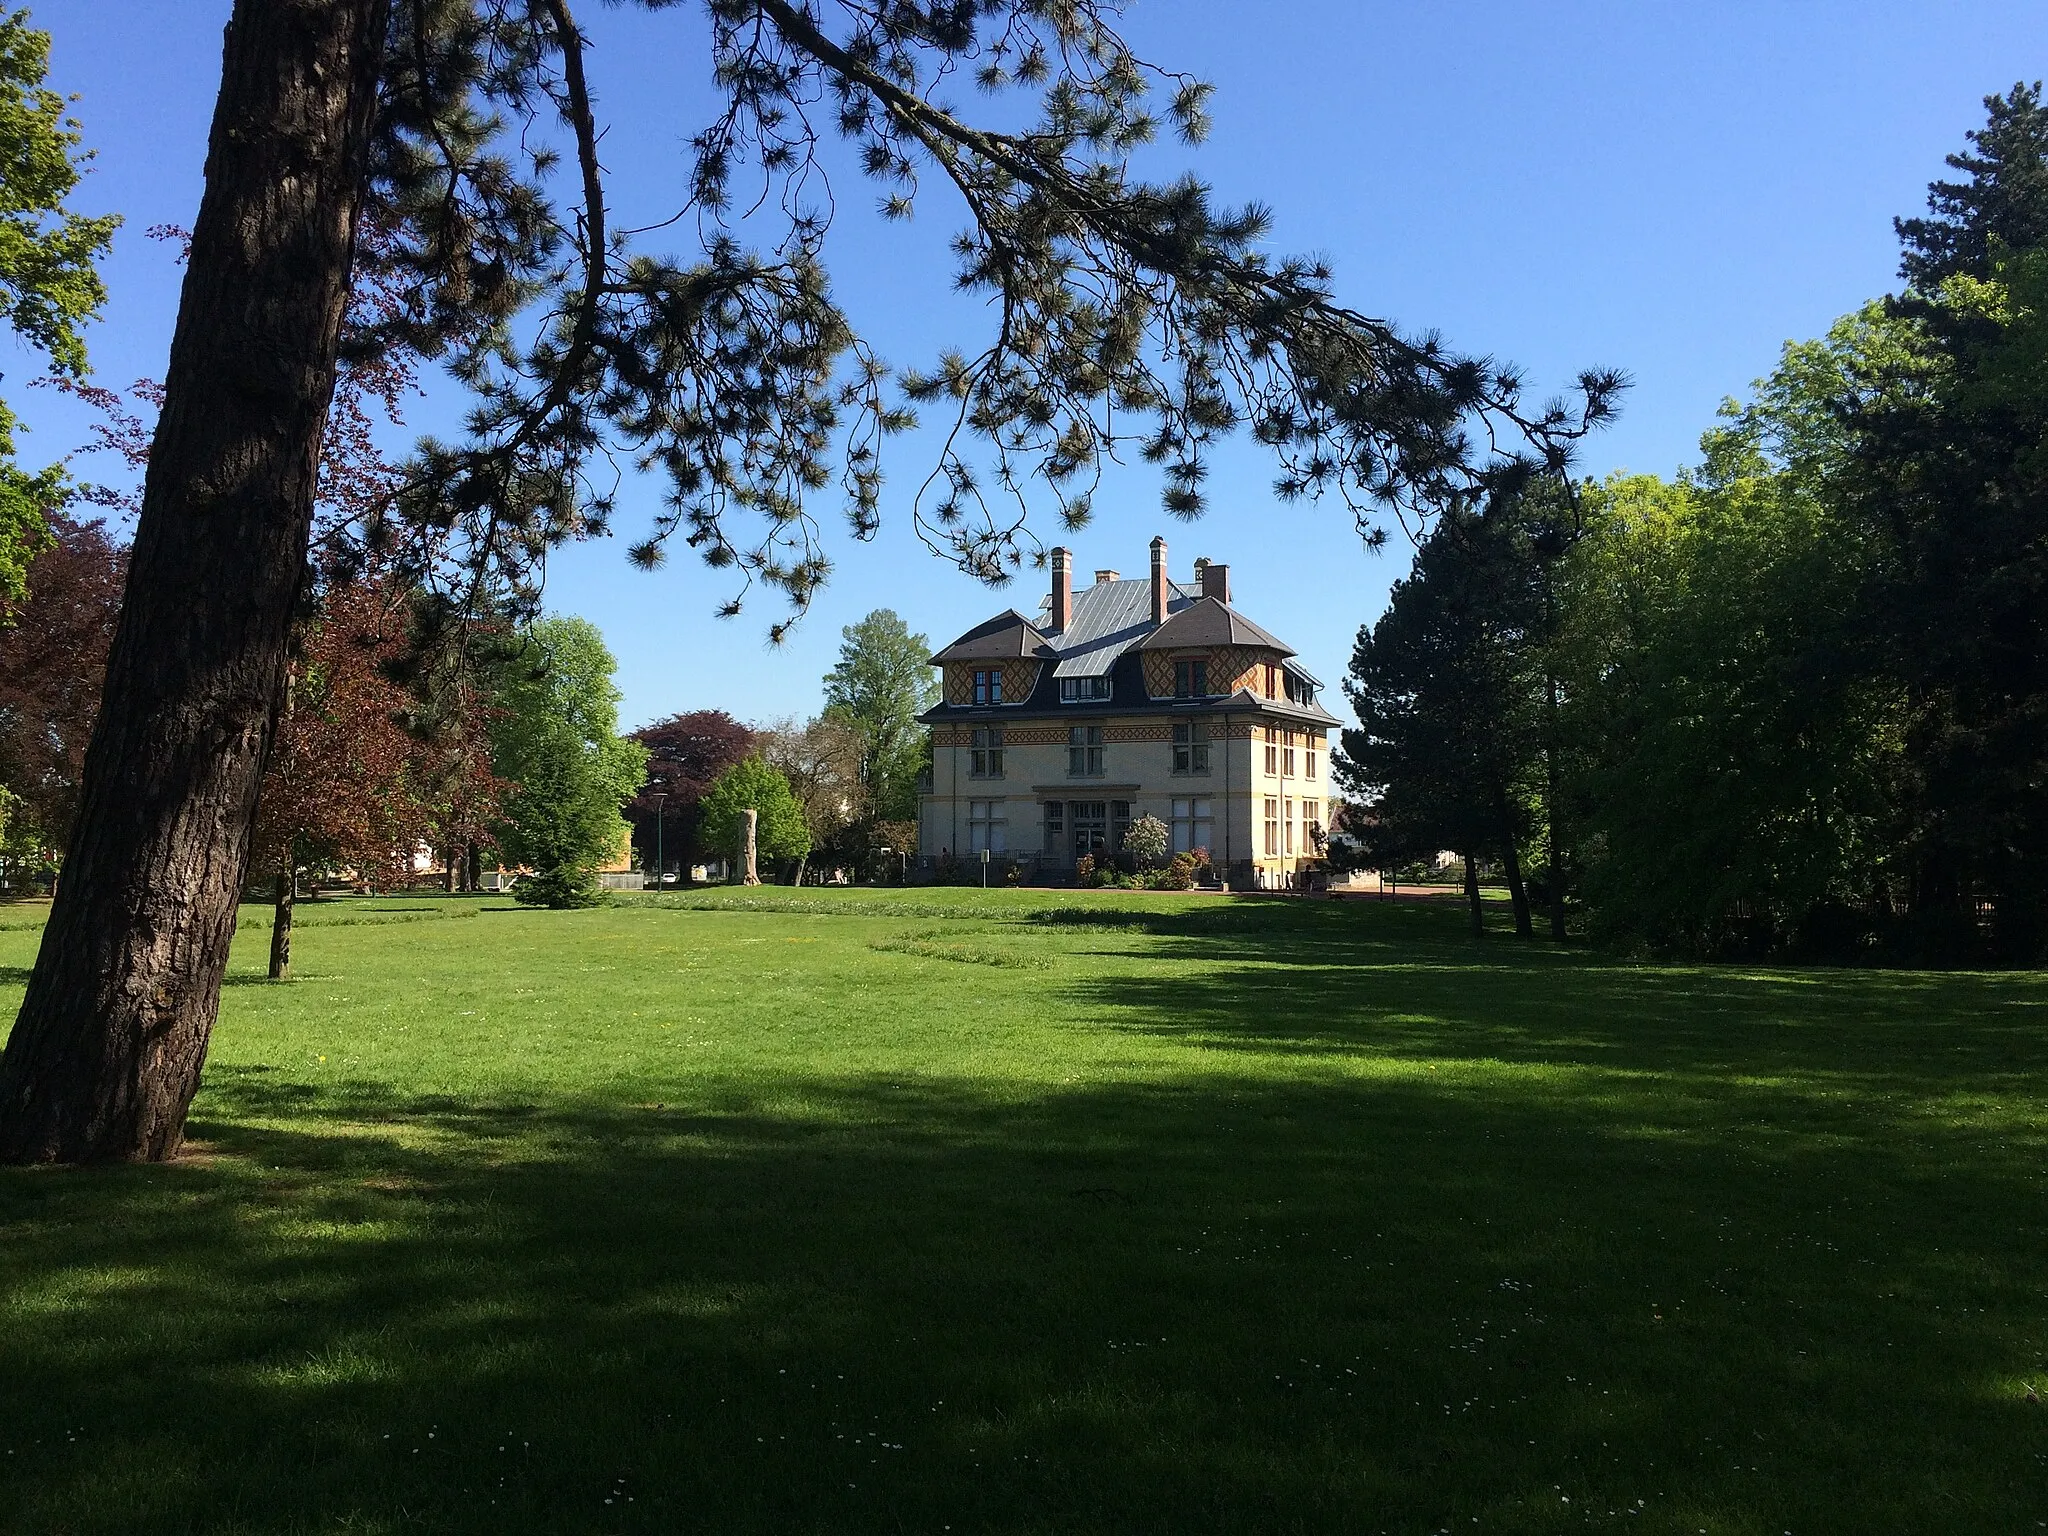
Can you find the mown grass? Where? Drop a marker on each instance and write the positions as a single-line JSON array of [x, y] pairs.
[[793, 1212]]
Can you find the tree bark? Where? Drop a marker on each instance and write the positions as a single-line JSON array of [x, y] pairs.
[[281, 923], [1518, 892], [106, 1053], [1478, 913]]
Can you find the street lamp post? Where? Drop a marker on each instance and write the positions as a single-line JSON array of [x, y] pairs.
[[660, 863]]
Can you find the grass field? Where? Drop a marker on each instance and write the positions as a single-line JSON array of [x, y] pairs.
[[1015, 1212]]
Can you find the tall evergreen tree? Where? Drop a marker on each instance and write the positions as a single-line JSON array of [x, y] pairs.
[[1446, 686], [2002, 203]]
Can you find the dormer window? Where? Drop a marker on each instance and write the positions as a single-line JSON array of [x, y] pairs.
[[988, 685], [1191, 677], [1083, 690]]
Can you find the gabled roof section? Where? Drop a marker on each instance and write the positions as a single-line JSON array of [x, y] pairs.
[[1110, 618], [1005, 637], [1210, 622]]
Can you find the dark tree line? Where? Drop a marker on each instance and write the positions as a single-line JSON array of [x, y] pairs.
[[1794, 701]]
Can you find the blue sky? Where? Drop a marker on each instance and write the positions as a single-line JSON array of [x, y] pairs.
[[1673, 190]]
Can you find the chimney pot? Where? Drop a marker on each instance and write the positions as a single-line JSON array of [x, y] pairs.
[[1215, 580], [1062, 590], [1105, 576], [1158, 581]]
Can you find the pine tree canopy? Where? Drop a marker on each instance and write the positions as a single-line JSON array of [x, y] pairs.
[[2003, 202], [1128, 314]]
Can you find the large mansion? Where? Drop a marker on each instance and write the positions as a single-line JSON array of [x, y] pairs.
[[1124, 699]]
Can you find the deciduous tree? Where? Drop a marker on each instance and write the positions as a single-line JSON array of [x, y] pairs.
[[53, 656], [346, 782], [881, 683], [751, 784], [554, 733], [685, 754]]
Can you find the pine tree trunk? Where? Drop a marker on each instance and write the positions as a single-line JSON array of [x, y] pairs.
[[281, 923], [1518, 892], [106, 1053], [1478, 913]]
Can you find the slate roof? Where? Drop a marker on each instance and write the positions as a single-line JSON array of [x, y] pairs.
[[1111, 623], [1209, 622], [1005, 636]]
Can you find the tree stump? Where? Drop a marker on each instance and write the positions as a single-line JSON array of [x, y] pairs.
[[752, 876]]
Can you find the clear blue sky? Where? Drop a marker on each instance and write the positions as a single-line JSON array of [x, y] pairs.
[[1673, 190]]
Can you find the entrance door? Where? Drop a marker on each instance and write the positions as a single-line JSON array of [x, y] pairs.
[[1090, 826]]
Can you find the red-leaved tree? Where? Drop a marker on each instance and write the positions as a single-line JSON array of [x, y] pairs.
[[353, 779], [685, 753], [53, 657]]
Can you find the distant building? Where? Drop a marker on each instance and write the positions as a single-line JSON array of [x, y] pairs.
[[1124, 699]]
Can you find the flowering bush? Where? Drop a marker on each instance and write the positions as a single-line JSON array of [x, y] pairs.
[[1147, 840], [1180, 874]]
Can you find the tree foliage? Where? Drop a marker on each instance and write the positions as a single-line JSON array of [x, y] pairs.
[[346, 782], [1130, 313], [751, 784], [685, 754], [1802, 691], [50, 285], [554, 736], [53, 657], [880, 684], [821, 759]]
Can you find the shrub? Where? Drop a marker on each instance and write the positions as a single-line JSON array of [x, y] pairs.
[[1180, 874], [1084, 869], [563, 887], [1146, 840]]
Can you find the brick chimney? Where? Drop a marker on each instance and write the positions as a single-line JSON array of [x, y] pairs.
[[1062, 590], [1158, 580], [1215, 580], [1102, 576]]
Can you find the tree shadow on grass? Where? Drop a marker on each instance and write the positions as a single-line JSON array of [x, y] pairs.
[[1325, 1302]]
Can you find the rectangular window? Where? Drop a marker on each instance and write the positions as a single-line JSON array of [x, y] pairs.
[[1272, 753], [1272, 827], [1192, 826], [1287, 755], [1191, 747], [986, 827], [1308, 760], [1287, 822], [1119, 822], [1084, 752], [1079, 690], [1191, 678], [988, 685], [1312, 826], [1272, 681], [1055, 825], [985, 756]]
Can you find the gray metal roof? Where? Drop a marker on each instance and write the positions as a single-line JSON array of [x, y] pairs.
[[1109, 618]]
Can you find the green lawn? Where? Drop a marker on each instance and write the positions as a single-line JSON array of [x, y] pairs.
[[1019, 1212]]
